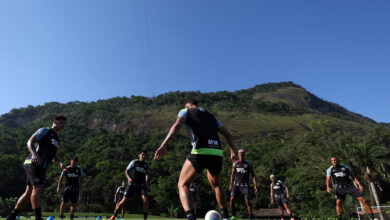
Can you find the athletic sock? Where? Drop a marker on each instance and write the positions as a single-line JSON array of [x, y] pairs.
[[13, 214], [339, 217], [71, 217], [225, 213], [372, 215], [62, 216], [116, 212], [145, 216], [190, 214], [38, 213]]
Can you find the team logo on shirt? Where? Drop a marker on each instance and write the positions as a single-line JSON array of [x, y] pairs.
[[340, 174], [140, 169], [72, 175], [212, 142], [241, 170]]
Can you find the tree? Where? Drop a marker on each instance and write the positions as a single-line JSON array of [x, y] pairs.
[[371, 161]]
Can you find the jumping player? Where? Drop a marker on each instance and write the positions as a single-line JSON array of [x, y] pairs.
[[43, 145], [137, 173], [73, 186], [242, 170], [276, 188], [206, 153], [119, 194], [342, 180]]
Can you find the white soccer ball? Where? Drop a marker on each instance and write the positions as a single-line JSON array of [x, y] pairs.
[[213, 215]]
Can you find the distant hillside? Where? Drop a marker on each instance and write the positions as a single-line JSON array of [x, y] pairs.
[[285, 129], [280, 107]]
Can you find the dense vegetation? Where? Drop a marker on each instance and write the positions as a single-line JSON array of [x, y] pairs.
[[286, 130]]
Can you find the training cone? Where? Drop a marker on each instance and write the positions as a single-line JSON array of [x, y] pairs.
[[50, 218], [99, 218]]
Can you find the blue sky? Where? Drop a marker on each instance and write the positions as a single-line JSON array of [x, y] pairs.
[[96, 49]]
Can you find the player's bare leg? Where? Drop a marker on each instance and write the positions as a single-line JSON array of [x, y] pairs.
[[118, 207], [62, 210], [215, 182], [233, 206], [249, 208], [187, 176], [36, 201], [281, 211], [21, 204], [145, 206], [72, 210], [339, 208]]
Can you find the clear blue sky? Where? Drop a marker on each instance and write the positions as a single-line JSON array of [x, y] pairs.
[[96, 49]]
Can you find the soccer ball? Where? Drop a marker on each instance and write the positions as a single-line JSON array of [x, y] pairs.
[[212, 215]]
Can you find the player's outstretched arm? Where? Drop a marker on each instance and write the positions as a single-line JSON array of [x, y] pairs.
[[229, 139], [286, 188], [116, 194], [251, 170], [59, 184], [35, 159], [231, 178], [57, 160], [272, 194], [161, 151], [328, 189], [355, 179], [129, 180]]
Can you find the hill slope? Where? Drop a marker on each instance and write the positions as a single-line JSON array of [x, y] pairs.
[[285, 129]]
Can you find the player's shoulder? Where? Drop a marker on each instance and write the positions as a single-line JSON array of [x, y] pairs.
[[41, 132], [279, 181], [330, 168], [248, 162], [346, 166]]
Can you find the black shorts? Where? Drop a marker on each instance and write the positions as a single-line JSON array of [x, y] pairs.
[[210, 162], [351, 190], [35, 174], [70, 195], [280, 199], [139, 190], [243, 190]]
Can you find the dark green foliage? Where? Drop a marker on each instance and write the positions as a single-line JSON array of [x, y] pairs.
[[285, 130]]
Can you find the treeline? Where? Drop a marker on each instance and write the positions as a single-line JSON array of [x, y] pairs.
[[106, 135]]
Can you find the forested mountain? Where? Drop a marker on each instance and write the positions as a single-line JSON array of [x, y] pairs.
[[286, 130]]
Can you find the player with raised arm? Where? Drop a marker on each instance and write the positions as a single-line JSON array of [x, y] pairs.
[[242, 170], [206, 153], [73, 186], [43, 145], [276, 189], [137, 173], [342, 180]]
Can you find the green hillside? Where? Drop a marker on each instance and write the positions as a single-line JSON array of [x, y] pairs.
[[286, 130]]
